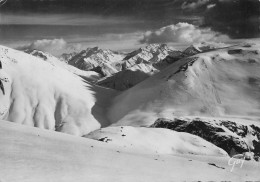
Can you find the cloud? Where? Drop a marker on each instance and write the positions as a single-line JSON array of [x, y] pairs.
[[52, 46], [194, 5], [182, 33]]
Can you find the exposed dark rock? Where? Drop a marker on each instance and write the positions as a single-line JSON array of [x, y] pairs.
[[228, 135], [212, 164], [2, 87], [105, 139], [235, 51]]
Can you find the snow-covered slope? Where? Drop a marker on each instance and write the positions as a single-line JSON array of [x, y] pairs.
[[37, 93], [225, 82], [87, 75], [156, 140], [33, 155]]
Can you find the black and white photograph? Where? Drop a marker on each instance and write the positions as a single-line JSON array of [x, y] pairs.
[[129, 90]]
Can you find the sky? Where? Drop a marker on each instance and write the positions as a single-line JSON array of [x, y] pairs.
[[66, 25]]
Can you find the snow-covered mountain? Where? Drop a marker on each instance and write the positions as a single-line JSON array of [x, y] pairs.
[[170, 59], [152, 53], [144, 62], [127, 78], [95, 59], [202, 85], [208, 92], [87, 75], [138, 66], [40, 94]]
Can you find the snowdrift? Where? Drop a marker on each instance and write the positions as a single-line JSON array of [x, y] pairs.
[[156, 140]]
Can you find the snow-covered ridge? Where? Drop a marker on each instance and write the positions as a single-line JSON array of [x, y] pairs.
[[40, 94], [224, 82], [87, 75]]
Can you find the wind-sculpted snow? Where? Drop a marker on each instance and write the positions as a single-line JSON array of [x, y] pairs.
[[156, 140], [218, 83], [37, 93]]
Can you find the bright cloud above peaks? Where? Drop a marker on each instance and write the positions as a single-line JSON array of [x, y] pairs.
[[182, 33]]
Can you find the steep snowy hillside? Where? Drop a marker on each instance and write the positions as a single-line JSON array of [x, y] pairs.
[[98, 60], [34, 155], [87, 75], [37, 93], [155, 140], [223, 83], [127, 78]]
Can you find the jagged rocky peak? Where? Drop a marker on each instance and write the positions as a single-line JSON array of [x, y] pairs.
[[96, 52], [155, 47], [147, 52], [97, 60], [230, 135]]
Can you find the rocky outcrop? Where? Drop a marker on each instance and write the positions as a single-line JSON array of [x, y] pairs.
[[233, 137]]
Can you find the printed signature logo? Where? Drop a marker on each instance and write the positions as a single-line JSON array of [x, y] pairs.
[[2, 2], [236, 162]]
